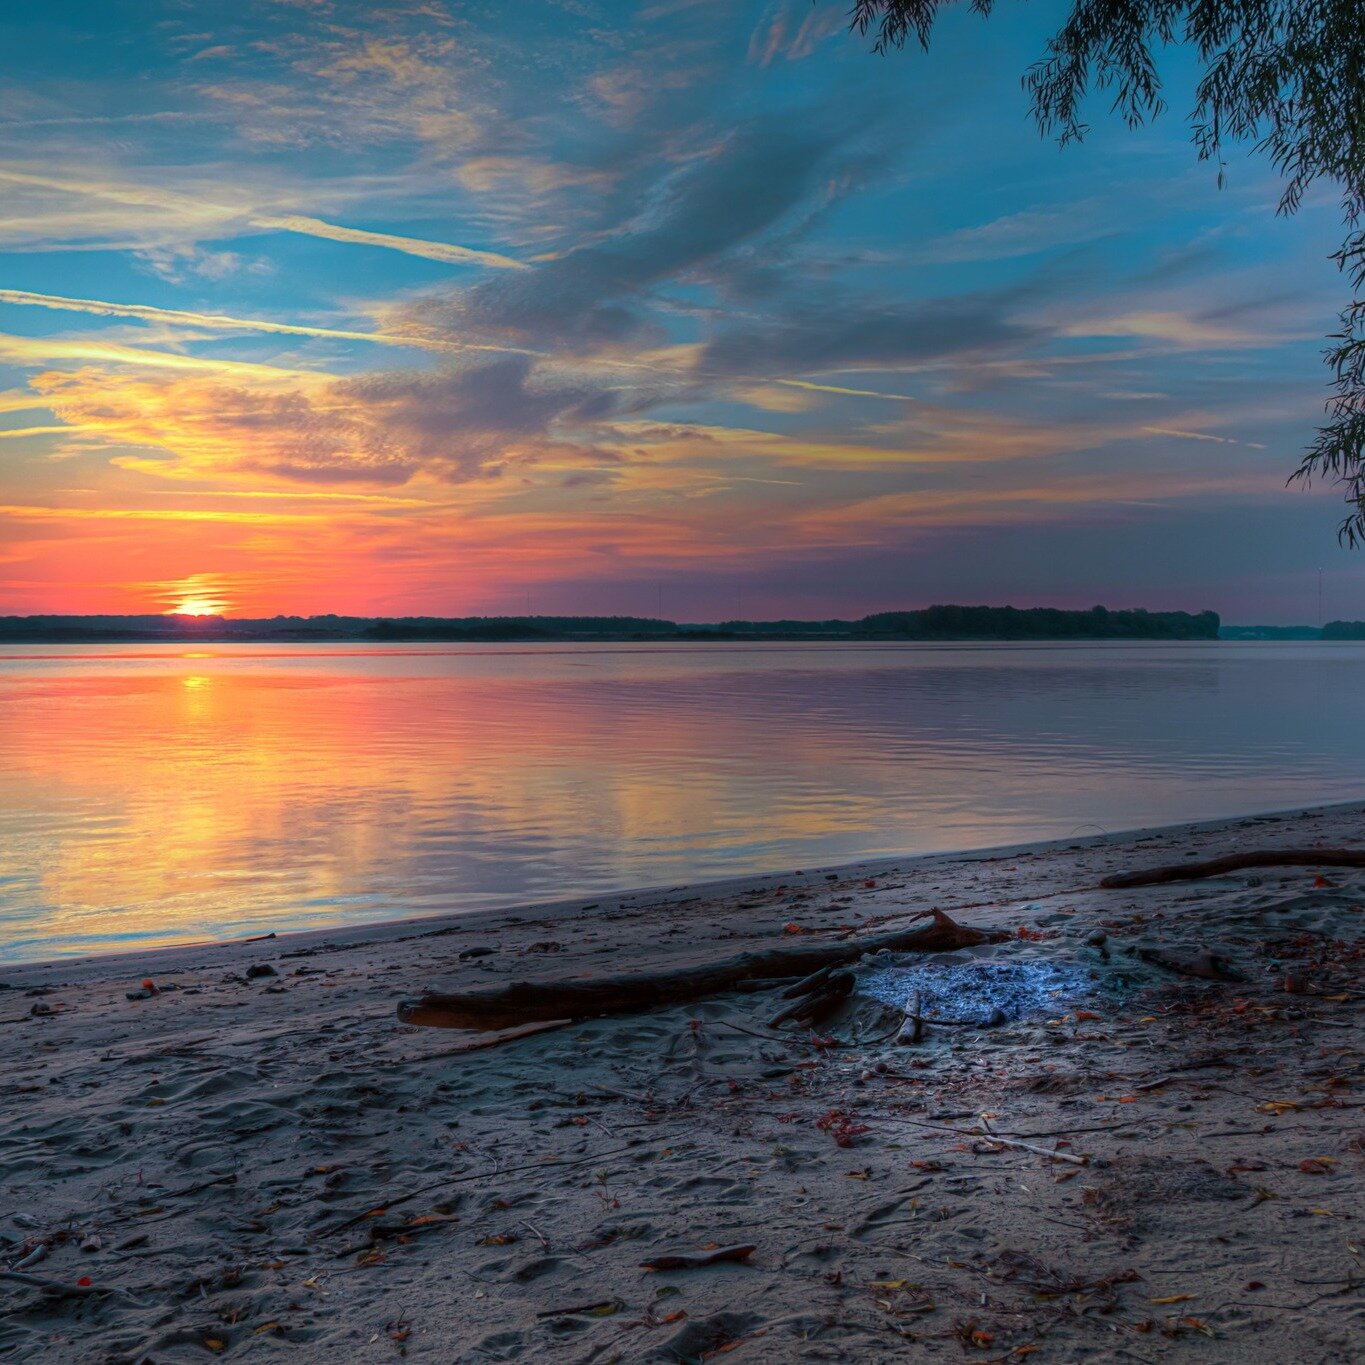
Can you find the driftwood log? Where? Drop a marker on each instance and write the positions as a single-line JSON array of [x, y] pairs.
[[1236, 862], [525, 1002], [817, 1002]]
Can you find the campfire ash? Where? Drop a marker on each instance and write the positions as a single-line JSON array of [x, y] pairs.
[[985, 990]]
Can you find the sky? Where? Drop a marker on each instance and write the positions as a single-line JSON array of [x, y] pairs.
[[688, 307]]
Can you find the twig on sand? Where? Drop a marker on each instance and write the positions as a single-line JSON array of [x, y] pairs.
[[1029, 1147], [699, 1260], [597, 1307], [478, 1044], [58, 1288]]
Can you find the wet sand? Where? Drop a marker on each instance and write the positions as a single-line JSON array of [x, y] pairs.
[[263, 1162]]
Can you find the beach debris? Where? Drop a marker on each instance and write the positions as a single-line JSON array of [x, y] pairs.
[[1235, 862], [829, 992], [912, 1030], [522, 1002], [260, 969], [602, 1308], [1203, 963], [842, 1126], [38, 1253], [1048, 1152], [480, 1044], [699, 1260]]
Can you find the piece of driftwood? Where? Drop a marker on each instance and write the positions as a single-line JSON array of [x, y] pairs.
[[1236, 862], [476, 1044], [828, 995], [1203, 963], [699, 1260], [525, 1002], [1039, 1151], [912, 1030]]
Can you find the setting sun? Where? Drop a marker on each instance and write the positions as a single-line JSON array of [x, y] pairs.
[[198, 595], [197, 606]]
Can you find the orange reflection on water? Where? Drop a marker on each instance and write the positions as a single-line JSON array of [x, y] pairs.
[[150, 797]]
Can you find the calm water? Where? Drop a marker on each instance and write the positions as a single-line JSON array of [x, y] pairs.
[[149, 796]]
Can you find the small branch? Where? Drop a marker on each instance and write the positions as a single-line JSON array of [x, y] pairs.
[[1236, 862]]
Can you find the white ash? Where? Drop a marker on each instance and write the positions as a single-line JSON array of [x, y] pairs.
[[976, 989]]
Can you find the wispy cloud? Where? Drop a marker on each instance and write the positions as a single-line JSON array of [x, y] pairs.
[[446, 252], [31, 351], [19, 433], [171, 214], [220, 322], [1202, 436], [837, 388]]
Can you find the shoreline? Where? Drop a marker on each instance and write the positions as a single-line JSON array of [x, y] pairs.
[[379, 932], [261, 1159]]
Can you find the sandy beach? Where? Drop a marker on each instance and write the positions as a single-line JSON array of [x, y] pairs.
[[259, 1160]]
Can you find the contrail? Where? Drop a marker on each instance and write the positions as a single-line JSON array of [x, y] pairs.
[[446, 252], [205, 212], [222, 321]]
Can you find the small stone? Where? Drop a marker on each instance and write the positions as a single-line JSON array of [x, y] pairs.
[[261, 969]]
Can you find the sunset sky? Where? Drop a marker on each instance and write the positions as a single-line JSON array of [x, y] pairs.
[[456, 308]]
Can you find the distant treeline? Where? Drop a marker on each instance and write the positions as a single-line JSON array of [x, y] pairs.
[[1344, 630], [1040, 623], [931, 623]]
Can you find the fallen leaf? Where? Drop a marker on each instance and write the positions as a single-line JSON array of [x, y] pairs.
[[1174, 1298], [1317, 1165], [1277, 1106]]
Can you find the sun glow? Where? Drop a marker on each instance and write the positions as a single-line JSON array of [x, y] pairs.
[[199, 595], [197, 606]]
